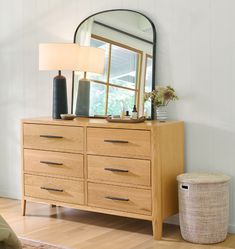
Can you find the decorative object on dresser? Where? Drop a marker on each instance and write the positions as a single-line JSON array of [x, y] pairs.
[[129, 40], [160, 98], [67, 116], [59, 56], [114, 168], [119, 120], [91, 60]]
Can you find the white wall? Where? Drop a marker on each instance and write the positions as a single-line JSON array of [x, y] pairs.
[[195, 54]]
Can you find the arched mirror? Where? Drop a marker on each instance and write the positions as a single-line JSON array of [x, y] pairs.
[[129, 41]]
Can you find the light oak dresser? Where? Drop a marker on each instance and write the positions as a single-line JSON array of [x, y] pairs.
[[89, 164]]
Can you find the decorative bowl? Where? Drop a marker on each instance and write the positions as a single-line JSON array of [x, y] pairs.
[[67, 116]]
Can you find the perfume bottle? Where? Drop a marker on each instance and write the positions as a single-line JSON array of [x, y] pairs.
[[122, 115], [134, 114], [127, 116]]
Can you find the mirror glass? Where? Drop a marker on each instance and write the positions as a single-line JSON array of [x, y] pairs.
[[128, 39]]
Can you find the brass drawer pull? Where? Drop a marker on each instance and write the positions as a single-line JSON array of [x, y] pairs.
[[51, 163], [116, 198], [116, 141], [117, 170], [50, 136], [53, 189]]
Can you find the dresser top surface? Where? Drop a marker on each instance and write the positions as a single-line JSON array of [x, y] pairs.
[[97, 122]]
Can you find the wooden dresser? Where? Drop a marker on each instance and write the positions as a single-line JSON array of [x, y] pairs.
[[89, 164]]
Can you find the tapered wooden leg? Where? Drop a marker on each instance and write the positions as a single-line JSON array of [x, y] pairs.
[[157, 229], [23, 203]]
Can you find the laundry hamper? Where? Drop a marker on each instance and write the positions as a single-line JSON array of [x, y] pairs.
[[203, 207]]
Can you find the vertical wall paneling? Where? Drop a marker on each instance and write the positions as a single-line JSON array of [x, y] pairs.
[[195, 54]]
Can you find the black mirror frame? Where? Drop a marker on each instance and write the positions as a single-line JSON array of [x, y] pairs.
[[154, 49]]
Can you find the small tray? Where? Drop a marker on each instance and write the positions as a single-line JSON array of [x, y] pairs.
[[116, 120]]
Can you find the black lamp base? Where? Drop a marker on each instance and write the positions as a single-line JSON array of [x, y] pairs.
[[83, 98], [60, 104]]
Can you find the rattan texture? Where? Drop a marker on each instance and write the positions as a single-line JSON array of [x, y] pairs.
[[204, 209]]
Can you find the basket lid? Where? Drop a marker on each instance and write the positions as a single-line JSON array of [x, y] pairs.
[[195, 178]]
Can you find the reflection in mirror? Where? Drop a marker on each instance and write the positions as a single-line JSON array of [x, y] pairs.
[[128, 39], [148, 81]]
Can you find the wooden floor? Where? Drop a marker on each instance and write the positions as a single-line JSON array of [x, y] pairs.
[[85, 230]]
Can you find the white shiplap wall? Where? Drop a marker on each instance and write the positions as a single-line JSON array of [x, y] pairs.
[[195, 54]]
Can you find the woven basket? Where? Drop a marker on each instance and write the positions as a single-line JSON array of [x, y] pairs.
[[203, 207]]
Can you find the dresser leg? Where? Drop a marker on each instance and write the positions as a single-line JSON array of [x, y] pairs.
[[23, 203], [157, 229]]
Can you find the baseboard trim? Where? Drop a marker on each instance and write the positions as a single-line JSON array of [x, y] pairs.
[[9, 194], [174, 220], [231, 228]]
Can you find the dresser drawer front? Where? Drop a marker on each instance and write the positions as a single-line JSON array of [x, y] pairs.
[[54, 138], [119, 170], [130, 200], [118, 142], [53, 163], [68, 191]]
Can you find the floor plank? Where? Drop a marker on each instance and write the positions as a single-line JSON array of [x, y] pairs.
[[86, 230]]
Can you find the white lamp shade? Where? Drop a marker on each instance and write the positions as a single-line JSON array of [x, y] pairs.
[[91, 59], [70, 56], [58, 56]]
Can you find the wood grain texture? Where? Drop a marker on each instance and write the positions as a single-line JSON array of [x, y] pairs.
[[23, 202], [88, 208], [71, 138], [71, 191], [45, 162], [138, 172], [136, 200], [171, 140], [167, 163], [157, 219], [148, 157], [96, 122], [99, 142]]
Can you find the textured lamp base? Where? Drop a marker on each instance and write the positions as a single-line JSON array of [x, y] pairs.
[[83, 98], [60, 105]]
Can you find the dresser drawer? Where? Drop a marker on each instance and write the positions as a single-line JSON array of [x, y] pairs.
[[53, 163], [68, 191], [131, 200], [119, 170], [55, 138], [118, 142]]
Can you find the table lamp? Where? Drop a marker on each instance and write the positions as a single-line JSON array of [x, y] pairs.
[[59, 56], [91, 60]]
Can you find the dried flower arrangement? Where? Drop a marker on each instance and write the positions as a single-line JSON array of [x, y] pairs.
[[161, 96]]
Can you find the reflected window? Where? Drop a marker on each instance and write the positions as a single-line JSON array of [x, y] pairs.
[[117, 88], [104, 45], [120, 98], [97, 99], [124, 67]]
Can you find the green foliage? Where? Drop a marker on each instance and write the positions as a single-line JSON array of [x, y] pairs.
[[119, 99], [161, 96]]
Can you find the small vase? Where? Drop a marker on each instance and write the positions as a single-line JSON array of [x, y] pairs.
[[161, 113]]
